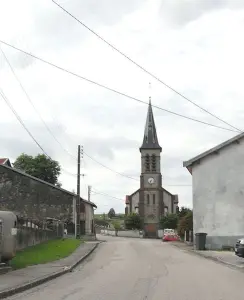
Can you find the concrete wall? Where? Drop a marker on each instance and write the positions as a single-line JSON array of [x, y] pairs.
[[218, 196], [128, 233], [123, 233], [160, 233], [27, 236]]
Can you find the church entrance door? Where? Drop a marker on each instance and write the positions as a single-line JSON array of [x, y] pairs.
[[151, 230]]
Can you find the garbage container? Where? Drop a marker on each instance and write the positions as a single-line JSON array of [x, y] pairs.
[[200, 240]]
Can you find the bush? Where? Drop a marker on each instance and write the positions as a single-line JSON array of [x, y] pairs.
[[169, 221], [116, 226], [101, 222], [133, 221]]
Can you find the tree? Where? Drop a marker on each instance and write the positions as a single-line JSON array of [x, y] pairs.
[[185, 223], [101, 222], [183, 211], [39, 166], [133, 221], [116, 226], [111, 213], [169, 221]]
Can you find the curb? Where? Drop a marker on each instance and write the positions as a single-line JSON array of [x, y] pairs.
[[34, 283], [215, 259]]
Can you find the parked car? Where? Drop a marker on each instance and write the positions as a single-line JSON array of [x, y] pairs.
[[170, 237], [239, 248]]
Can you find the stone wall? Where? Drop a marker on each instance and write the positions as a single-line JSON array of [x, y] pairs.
[[30, 197]]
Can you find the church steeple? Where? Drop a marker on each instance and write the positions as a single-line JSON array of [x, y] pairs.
[[150, 140]]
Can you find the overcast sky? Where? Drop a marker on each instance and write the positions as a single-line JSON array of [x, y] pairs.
[[195, 46]]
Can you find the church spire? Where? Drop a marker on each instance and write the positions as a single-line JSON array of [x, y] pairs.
[[150, 140]]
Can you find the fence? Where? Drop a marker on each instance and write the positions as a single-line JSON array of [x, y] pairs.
[[30, 233]]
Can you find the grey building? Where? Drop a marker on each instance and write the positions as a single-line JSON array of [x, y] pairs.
[[218, 192], [151, 200], [32, 198]]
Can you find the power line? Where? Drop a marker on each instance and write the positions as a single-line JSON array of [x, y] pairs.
[[26, 129], [31, 102], [115, 91], [143, 69], [107, 195], [127, 176], [121, 174]]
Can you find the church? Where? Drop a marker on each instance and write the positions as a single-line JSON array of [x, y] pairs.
[[151, 201]]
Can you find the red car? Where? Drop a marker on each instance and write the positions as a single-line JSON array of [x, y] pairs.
[[169, 237]]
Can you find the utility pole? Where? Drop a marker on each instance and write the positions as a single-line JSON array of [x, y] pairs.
[[89, 193], [78, 198]]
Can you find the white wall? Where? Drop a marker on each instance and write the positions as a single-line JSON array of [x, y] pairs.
[[218, 193], [89, 216], [122, 233]]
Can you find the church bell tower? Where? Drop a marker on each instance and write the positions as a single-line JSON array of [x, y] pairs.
[[150, 199]]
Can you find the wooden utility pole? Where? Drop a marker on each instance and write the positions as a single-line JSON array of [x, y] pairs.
[[78, 198], [89, 193]]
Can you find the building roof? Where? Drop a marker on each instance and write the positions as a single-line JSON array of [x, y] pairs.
[[5, 161], [235, 139], [150, 139], [137, 191], [47, 183]]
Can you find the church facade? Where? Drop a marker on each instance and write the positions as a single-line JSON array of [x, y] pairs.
[[151, 201]]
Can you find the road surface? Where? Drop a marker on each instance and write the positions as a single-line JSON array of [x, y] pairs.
[[139, 269]]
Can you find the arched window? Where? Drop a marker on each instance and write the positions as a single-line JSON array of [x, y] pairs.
[[148, 199], [147, 163], [154, 163]]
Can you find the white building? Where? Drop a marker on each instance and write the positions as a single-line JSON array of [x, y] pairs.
[[218, 192]]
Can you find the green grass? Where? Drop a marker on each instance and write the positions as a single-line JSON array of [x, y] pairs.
[[45, 252]]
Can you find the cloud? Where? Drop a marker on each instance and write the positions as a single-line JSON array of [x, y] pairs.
[[181, 12], [196, 49]]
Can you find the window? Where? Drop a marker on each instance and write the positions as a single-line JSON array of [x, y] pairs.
[[147, 163], [154, 198], [154, 163], [148, 199]]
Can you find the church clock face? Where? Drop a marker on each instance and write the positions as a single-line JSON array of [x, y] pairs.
[[151, 180]]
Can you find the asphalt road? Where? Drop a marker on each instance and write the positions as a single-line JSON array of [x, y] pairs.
[[138, 269]]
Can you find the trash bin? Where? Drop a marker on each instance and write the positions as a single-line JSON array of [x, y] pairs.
[[200, 240]]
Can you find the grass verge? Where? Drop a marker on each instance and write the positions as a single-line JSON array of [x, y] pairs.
[[45, 252]]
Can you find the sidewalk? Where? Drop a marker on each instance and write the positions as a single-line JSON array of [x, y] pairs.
[[225, 257], [23, 279]]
